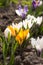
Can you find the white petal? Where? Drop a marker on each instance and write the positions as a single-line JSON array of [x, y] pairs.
[[37, 43], [18, 12], [39, 20], [6, 32], [38, 47], [25, 24], [40, 3], [13, 24], [19, 25], [33, 42]]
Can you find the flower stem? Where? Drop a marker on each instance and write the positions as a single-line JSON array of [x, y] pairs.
[[13, 50]]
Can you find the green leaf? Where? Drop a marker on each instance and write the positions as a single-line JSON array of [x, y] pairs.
[[4, 53], [4, 2], [42, 54], [4, 49], [9, 37], [0, 39], [13, 50]]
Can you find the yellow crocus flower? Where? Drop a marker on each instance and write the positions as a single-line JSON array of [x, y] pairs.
[[21, 36], [16, 30], [25, 33], [12, 30]]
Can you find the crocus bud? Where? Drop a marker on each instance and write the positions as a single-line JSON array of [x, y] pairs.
[[6, 32]]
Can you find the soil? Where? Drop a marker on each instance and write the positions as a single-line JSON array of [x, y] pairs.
[[26, 57], [7, 16]]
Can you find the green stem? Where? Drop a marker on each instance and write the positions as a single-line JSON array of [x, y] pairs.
[[13, 50], [4, 54]]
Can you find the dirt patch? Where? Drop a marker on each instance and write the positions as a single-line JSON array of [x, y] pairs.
[[7, 16]]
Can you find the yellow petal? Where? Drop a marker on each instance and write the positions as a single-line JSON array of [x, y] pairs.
[[25, 33], [12, 30]]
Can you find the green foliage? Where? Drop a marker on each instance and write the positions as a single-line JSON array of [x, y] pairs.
[[4, 2], [6, 43], [15, 1], [13, 50], [37, 30], [41, 29], [37, 12], [5, 47], [26, 3], [42, 54]]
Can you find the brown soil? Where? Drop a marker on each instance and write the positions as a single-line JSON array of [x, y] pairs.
[[7, 16]]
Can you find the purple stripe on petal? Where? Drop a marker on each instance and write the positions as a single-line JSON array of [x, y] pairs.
[[26, 8], [34, 4], [23, 15]]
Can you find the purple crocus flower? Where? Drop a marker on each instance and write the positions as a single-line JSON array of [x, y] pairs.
[[22, 11], [34, 3]]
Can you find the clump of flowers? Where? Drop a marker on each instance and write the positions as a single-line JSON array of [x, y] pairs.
[[27, 23], [20, 33], [15, 32], [37, 44]]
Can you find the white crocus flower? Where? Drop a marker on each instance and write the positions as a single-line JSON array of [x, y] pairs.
[[39, 20], [19, 25], [25, 24], [13, 25], [31, 20], [38, 47], [37, 43], [28, 17], [32, 17], [30, 24], [33, 42], [6, 32]]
